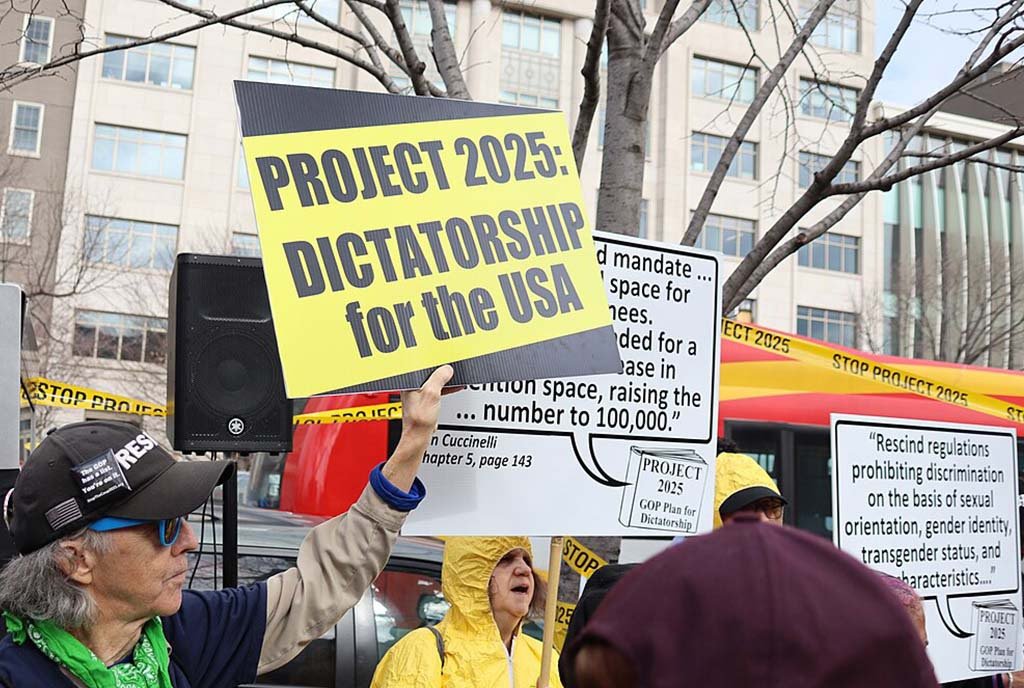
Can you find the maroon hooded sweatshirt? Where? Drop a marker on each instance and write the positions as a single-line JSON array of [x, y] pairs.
[[755, 605]]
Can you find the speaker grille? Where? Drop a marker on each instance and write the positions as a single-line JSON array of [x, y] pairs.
[[234, 373]]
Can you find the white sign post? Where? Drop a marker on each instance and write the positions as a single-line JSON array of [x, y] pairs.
[[10, 375], [602, 455], [936, 505]]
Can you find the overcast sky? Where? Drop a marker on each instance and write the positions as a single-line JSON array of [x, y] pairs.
[[927, 58]]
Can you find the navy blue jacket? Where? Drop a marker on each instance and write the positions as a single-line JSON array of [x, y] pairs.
[[215, 641]]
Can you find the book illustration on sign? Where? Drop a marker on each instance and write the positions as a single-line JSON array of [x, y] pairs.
[[665, 489], [994, 642]]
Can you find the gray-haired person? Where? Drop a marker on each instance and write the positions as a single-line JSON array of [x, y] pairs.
[[95, 600]]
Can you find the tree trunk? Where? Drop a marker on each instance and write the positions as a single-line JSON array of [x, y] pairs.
[[622, 165]]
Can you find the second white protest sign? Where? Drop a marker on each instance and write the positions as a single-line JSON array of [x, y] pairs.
[[603, 455], [936, 505]]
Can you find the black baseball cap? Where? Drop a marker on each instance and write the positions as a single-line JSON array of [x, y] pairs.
[[82, 472], [747, 496]]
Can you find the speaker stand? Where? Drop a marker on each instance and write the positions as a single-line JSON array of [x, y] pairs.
[[229, 514]]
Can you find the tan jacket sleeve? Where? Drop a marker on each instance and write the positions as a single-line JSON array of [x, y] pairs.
[[337, 562]]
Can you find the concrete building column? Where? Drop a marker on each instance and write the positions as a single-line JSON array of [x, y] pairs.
[[954, 268], [999, 270], [978, 264], [929, 262], [1015, 236], [905, 275], [482, 69]]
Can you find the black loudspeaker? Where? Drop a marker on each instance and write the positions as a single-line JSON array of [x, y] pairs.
[[225, 390]]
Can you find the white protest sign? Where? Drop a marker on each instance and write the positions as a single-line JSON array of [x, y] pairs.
[[631, 453], [936, 505]]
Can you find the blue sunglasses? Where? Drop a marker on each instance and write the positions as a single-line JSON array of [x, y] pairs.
[[168, 529]]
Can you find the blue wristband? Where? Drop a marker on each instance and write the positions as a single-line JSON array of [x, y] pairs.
[[398, 499]]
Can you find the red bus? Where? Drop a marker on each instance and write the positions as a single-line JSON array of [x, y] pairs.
[[775, 407]]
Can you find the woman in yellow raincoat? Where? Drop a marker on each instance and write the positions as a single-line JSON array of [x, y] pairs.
[[492, 588]]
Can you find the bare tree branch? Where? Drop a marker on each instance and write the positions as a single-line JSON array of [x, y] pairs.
[[14, 74], [444, 52], [683, 24], [963, 79], [415, 67], [886, 183], [379, 44], [714, 184], [653, 50], [591, 72]]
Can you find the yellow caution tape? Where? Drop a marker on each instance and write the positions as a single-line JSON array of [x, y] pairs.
[[45, 392], [563, 615], [581, 558], [352, 415], [886, 376]]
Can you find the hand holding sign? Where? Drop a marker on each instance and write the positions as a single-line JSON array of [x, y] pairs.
[[420, 409]]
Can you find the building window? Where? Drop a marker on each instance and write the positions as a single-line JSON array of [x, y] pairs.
[[531, 48], [120, 337], [731, 236], [827, 101], [403, 82], [745, 312], [837, 327], [130, 244], [159, 64], [840, 29], [241, 171], [282, 72], [528, 99], [706, 149], [16, 214], [37, 39], [26, 129], [139, 151], [530, 33], [812, 163], [245, 244], [831, 251], [416, 14], [725, 80], [734, 13]]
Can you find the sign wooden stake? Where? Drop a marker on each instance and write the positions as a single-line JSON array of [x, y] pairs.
[[551, 604]]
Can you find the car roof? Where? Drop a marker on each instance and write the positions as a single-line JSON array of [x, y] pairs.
[[271, 532]]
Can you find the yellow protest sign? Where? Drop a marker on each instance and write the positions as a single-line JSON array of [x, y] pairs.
[[563, 615], [396, 243], [581, 558]]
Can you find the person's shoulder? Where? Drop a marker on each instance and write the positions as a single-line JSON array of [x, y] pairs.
[[409, 661], [217, 603], [216, 635], [416, 640], [23, 667]]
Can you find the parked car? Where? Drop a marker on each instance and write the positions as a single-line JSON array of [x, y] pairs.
[[406, 595]]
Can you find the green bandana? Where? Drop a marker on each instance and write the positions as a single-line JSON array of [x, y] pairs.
[[148, 668]]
